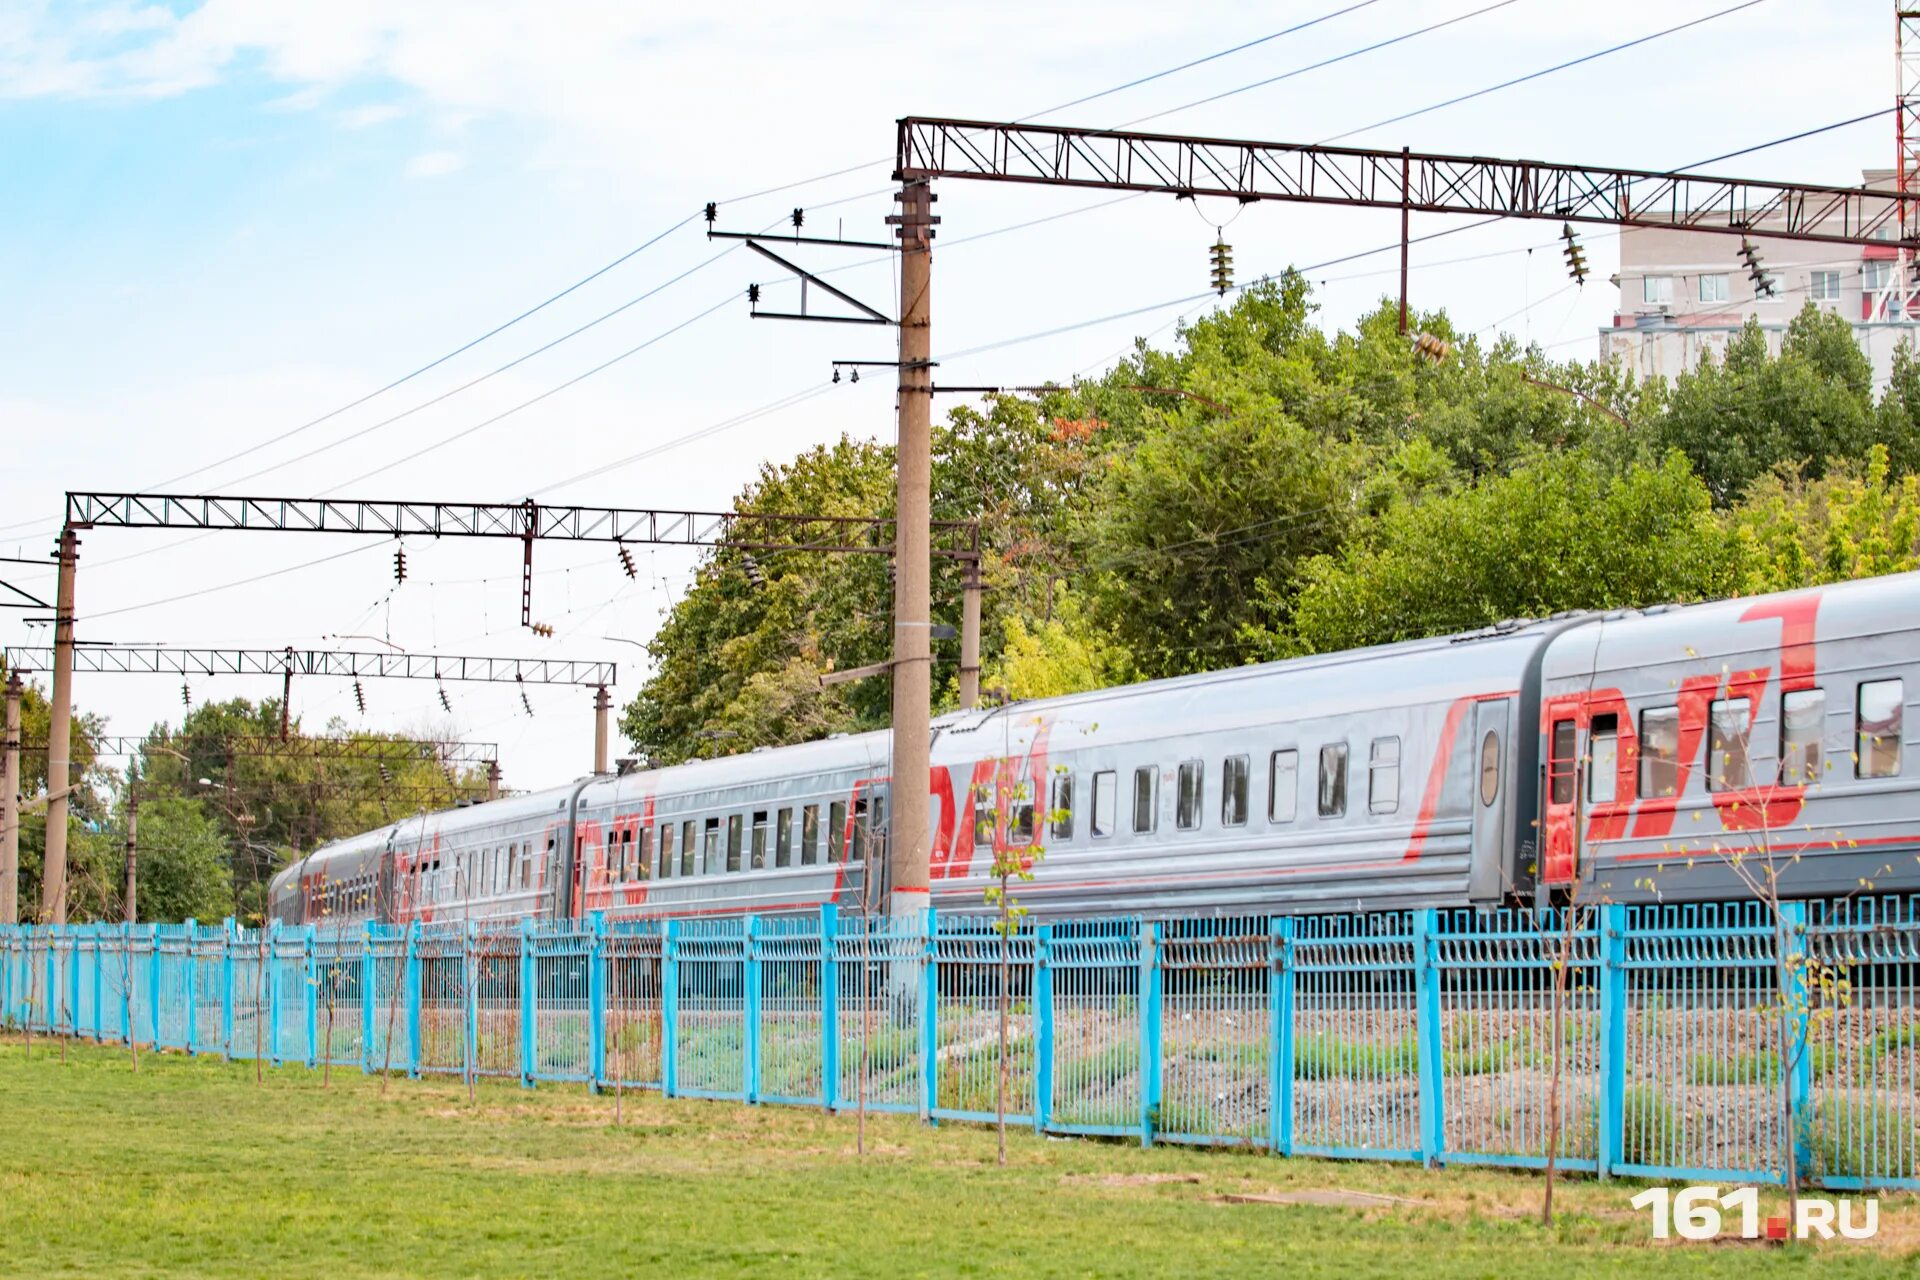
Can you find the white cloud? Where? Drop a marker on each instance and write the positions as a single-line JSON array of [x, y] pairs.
[[434, 164], [369, 116]]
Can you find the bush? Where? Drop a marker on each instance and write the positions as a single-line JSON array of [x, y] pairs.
[[1862, 1138]]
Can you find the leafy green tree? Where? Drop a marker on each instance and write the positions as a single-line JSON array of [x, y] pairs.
[[1561, 532], [1857, 521], [1738, 418], [1066, 653], [182, 865]]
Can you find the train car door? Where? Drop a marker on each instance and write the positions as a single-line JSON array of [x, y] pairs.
[[1492, 771]]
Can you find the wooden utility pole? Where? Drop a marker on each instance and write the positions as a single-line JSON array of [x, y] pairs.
[[493, 779], [910, 847], [53, 875], [10, 808], [128, 897]]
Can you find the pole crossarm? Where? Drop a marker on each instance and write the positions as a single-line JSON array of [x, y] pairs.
[[518, 520], [1424, 182], [107, 659], [378, 750]]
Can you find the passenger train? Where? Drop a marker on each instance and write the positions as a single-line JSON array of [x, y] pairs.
[[1625, 753]]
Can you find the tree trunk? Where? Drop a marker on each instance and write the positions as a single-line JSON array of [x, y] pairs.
[[1000, 1074]]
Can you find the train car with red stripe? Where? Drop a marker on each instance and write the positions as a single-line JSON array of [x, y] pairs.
[[1659, 753]]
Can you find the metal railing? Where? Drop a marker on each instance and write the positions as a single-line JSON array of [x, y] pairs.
[[1432, 1035]]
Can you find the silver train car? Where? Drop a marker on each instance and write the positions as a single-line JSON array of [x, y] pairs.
[[1637, 754]]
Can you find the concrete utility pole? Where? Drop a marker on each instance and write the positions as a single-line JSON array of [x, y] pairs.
[[53, 876], [128, 897], [10, 808], [493, 779], [970, 636], [601, 705], [910, 845]]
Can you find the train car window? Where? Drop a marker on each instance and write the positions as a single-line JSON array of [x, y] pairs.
[[689, 853], [1561, 765], [783, 838], [836, 830], [1233, 791], [1106, 802], [1659, 752], [1333, 780], [1283, 785], [1060, 805], [710, 855], [1489, 769], [1383, 775], [1803, 717], [736, 840], [646, 853], [1729, 724], [860, 831], [1191, 781], [982, 820], [1019, 802], [1146, 798], [666, 851], [547, 861], [810, 835], [1603, 760], [1877, 728]]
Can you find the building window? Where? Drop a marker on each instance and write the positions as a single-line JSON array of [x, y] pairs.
[[1186, 805], [1333, 780], [1713, 288], [1283, 785], [1656, 289], [1877, 729], [1660, 752], [1876, 275], [1729, 722], [1146, 798], [1233, 792], [1383, 775], [1106, 801], [1824, 285], [1802, 715], [1060, 805]]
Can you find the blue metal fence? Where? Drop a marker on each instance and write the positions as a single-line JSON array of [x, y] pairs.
[[1663, 1041]]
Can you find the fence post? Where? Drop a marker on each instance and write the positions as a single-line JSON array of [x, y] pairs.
[[1427, 1036], [529, 1004], [411, 992], [272, 984], [669, 1009], [153, 985], [1149, 1031], [369, 1002], [596, 1000], [470, 998], [99, 986], [226, 986], [1042, 1028], [929, 1013], [1799, 1048], [750, 1070], [310, 998], [1613, 1035], [829, 1006], [1280, 1036]]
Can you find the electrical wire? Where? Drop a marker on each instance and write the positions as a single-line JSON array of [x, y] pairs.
[[1547, 71]]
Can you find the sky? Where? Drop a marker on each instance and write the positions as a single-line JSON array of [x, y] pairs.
[[226, 226]]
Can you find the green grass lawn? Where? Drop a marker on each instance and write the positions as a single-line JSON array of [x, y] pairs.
[[190, 1168]]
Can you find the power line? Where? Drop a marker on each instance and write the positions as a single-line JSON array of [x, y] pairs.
[[1315, 66], [1545, 71]]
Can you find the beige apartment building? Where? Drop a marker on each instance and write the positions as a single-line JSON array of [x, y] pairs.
[[1684, 294]]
